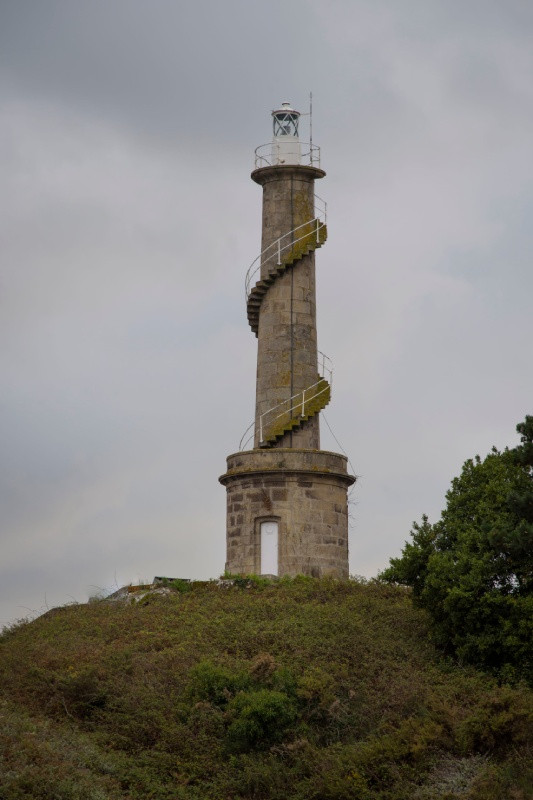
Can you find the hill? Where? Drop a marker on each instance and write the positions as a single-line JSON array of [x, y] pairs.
[[304, 688]]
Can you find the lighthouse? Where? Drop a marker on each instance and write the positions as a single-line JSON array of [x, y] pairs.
[[287, 510]]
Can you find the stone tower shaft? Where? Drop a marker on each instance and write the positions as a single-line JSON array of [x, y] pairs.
[[287, 338]]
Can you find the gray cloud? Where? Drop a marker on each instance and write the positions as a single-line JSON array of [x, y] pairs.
[[128, 221]]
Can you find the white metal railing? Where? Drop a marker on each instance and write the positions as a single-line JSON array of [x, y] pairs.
[[324, 366], [295, 403], [271, 255], [310, 157]]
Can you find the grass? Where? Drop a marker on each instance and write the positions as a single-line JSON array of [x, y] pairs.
[[297, 689]]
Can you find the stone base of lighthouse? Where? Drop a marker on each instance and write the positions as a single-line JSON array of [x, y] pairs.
[[304, 493]]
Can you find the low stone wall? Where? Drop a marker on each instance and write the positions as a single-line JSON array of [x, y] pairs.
[[304, 491]]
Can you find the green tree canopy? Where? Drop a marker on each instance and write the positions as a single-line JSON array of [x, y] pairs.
[[473, 569]]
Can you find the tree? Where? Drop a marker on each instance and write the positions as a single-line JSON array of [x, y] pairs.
[[473, 569]]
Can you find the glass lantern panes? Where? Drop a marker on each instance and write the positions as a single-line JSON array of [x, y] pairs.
[[285, 124]]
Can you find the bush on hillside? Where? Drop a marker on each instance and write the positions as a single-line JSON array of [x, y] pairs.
[[259, 718], [473, 569]]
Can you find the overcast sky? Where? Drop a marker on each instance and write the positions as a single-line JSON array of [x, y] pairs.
[[128, 221]]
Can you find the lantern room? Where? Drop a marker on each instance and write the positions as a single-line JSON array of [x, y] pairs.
[[285, 141]]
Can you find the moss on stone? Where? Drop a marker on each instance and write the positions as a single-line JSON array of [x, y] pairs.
[[288, 422]]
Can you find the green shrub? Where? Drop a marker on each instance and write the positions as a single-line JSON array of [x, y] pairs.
[[332, 773], [215, 684], [250, 581], [503, 720], [180, 585], [258, 719], [81, 691], [315, 689]]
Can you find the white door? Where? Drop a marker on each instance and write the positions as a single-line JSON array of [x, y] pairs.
[[269, 548]]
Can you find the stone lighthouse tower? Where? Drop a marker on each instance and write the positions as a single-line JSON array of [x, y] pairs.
[[287, 508]]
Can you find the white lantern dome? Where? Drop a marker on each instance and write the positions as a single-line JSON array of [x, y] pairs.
[[285, 138]]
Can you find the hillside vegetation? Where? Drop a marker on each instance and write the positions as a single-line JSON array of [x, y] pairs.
[[299, 690]]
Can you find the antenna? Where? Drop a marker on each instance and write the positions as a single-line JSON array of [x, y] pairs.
[[311, 123]]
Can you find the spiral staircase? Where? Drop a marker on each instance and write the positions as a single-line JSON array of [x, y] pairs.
[[273, 262]]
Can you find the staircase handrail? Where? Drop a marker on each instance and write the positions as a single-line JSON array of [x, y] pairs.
[[243, 444], [309, 158], [325, 372], [277, 247]]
